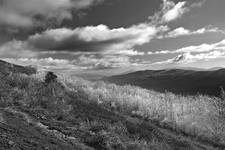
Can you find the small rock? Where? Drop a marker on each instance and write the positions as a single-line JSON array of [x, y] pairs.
[[11, 143]]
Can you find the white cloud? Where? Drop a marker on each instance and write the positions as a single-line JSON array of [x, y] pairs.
[[130, 52], [103, 62], [190, 58], [178, 32], [176, 11], [204, 52], [220, 46], [185, 32], [170, 11]]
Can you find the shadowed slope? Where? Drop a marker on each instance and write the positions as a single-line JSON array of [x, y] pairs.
[[177, 81]]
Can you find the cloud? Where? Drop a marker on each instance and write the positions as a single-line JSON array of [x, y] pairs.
[[190, 58], [42, 61], [198, 4], [186, 55], [99, 39], [11, 18], [186, 32], [16, 49], [94, 47], [83, 62], [170, 11], [93, 62], [175, 12], [95, 38], [27, 13], [130, 52], [220, 46]]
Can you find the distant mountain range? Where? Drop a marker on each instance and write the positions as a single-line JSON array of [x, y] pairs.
[[178, 81]]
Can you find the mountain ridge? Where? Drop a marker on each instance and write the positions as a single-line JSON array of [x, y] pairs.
[[178, 81]]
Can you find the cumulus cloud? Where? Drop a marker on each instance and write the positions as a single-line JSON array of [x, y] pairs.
[[170, 11], [175, 12], [26, 13], [84, 40], [95, 38]]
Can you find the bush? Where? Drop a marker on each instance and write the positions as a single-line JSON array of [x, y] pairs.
[[50, 77]]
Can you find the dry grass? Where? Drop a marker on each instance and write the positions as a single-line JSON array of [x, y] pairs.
[[198, 116]]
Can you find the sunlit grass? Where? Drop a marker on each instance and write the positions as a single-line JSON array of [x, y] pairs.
[[200, 116]]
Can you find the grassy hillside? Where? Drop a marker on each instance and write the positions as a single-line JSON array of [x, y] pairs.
[[73, 113], [6, 68], [178, 81]]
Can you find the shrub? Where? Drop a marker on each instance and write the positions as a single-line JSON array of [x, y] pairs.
[[50, 77]]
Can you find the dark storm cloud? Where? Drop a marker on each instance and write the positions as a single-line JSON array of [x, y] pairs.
[[27, 13], [73, 43]]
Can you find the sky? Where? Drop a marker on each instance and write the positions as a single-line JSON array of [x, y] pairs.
[[105, 37]]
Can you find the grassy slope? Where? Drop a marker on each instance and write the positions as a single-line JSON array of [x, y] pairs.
[[77, 114]]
